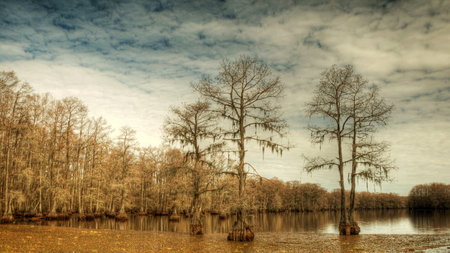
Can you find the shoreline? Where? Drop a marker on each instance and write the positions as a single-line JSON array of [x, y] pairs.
[[21, 238]]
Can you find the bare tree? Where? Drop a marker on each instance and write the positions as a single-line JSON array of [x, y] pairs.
[[191, 126], [126, 146], [146, 168], [368, 110], [353, 110], [243, 92]]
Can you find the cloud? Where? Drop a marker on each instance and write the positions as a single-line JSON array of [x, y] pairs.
[[130, 60]]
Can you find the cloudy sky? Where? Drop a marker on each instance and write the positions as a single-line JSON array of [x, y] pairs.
[[130, 60]]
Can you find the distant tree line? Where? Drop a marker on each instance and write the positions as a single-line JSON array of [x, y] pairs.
[[275, 195], [429, 196]]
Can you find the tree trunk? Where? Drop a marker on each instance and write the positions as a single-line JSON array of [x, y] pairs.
[[40, 191], [343, 223], [174, 216], [143, 211], [240, 232], [7, 216], [98, 212], [111, 213], [196, 227], [122, 216], [354, 228], [53, 214]]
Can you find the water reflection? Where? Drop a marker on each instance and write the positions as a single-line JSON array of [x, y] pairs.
[[430, 221], [371, 222]]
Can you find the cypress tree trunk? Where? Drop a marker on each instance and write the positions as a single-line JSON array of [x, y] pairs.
[[196, 227], [7, 216]]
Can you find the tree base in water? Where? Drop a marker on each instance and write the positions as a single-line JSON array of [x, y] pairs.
[[111, 215], [122, 217], [196, 229], [63, 216], [174, 218], [352, 229], [240, 232], [52, 216], [36, 218], [81, 217], [90, 216], [7, 219]]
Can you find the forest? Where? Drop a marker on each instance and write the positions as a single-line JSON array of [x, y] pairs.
[[57, 160]]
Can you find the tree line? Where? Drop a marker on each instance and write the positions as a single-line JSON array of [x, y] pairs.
[[429, 196], [278, 196], [55, 159]]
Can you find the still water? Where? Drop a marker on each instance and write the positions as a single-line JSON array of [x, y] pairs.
[[371, 222]]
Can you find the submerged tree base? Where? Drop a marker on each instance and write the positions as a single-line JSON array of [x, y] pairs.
[[240, 232], [52, 216], [7, 219], [111, 214], [196, 229], [37, 218], [39, 215], [352, 229], [63, 216], [122, 217], [174, 218], [90, 216]]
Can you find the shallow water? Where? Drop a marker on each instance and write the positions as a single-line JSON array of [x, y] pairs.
[[370, 221]]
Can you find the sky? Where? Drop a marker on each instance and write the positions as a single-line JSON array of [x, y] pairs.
[[130, 60]]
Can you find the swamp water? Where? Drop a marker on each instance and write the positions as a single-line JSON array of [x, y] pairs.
[[371, 222]]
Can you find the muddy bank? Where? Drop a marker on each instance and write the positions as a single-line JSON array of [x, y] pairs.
[[20, 238]]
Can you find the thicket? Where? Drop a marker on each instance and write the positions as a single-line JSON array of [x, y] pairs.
[[429, 196], [55, 159]]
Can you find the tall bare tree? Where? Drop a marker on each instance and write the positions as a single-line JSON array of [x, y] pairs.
[[368, 111], [243, 92], [354, 109], [191, 126], [126, 146]]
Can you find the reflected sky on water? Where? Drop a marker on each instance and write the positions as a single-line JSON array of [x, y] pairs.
[[371, 222]]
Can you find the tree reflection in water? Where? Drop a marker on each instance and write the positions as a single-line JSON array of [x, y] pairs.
[[427, 221], [396, 221]]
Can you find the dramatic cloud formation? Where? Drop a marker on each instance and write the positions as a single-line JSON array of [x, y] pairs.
[[130, 60]]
